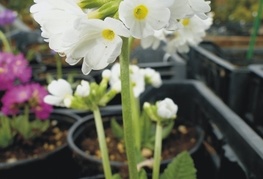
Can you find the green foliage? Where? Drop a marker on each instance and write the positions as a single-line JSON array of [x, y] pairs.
[[117, 129], [235, 11], [6, 134], [181, 167], [29, 129], [19, 6]]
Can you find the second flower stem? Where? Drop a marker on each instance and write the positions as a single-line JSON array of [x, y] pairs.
[[102, 143], [157, 150]]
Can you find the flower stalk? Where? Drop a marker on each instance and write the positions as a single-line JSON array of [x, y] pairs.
[[127, 109], [157, 150], [102, 143]]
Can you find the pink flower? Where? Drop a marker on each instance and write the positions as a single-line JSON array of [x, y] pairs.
[[30, 94], [14, 69]]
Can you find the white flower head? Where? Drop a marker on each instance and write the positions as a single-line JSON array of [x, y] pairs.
[[142, 17], [56, 18], [166, 108], [186, 8], [97, 42], [153, 77], [106, 74], [59, 90], [83, 89]]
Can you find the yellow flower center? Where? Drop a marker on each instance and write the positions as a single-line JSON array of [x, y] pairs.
[[185, 22], [140, 12], [108, 34]]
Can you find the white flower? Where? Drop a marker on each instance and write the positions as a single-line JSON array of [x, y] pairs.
[[136, 79], [138, 82], [154, 40], [83, 89], [199, 7], [153, 77], [192, 32], [97, 42], [186, 8], [56, 18], [166, 108], [106, 73], [179, 9], [142, 17], [176, 42], [59, 90]]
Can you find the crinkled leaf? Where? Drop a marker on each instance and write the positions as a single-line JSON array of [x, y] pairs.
[[181, 167]]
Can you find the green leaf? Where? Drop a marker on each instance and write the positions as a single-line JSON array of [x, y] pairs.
[[117, 129], [142, 174], [6, 134], [181, 167], [38, 127], [21, 125], [116, 176], [167, 129]]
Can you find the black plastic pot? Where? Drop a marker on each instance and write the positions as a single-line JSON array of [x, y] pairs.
[[91, 166], [56, 164], [253, 113], [209, 64], [170, 67], [234, 149]]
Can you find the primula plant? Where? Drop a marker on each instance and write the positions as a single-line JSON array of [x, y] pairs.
[[97, 32], [18, 103]]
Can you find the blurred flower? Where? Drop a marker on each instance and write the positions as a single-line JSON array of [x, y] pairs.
[[59, 90], [14, 70], [7, 17], [32, 95]]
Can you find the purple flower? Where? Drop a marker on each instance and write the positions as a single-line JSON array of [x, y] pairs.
[[14, 69], [30, 94], [7, 17]]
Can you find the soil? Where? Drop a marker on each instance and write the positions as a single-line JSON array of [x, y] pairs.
[[50, 140], [182, 137]]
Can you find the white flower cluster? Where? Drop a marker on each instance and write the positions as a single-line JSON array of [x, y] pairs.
[[91, 30], [61, 92], [140, 77]]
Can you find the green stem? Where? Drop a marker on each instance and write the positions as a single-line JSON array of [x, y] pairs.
[[6, 44], [136, 121], [127, 110], [102, 143], [157, 150], [255, 31], [59, 66]]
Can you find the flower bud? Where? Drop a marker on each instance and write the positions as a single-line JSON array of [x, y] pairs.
[[83, 89], [91, 4], [106, 10]]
